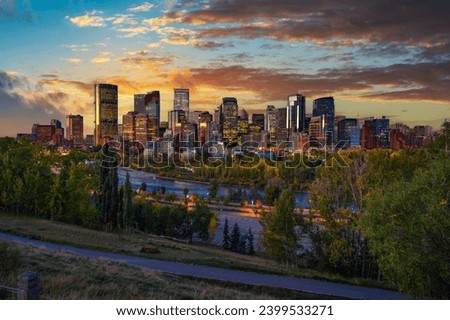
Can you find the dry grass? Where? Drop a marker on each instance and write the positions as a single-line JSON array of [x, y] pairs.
[[71, 277], [131, 244]]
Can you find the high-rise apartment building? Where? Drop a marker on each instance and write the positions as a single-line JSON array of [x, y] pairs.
[[106, 112], [75, 129], [325, 106], [181, 100]]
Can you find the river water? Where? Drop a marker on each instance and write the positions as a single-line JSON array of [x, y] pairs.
[[177, 187], [244, 222]]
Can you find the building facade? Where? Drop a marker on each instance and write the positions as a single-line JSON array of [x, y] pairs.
[[296, 114], [348, 134], [229, 120], [106, 112], [181, 100], [75, 129], [325, 106]]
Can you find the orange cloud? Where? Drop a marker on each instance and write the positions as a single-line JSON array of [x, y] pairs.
[[90, 19]]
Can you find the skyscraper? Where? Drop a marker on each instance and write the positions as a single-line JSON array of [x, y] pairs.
[[325, 106], [258, 119], [317, 131], [296, 113], [75, 129], [181, 100], [380, 131], [176, 116], [153, 105], [349, 134], [139, 103], [281, 129], [230, 119], [271, 122], [243, 114], [106, 112]]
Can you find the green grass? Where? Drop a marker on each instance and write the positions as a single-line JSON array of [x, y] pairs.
[[131, 244], [71, 277]]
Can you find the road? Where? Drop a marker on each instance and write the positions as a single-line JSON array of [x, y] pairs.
[[298, 284]]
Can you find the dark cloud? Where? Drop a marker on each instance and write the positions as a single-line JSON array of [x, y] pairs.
[[420, 82], [54, 82], [212, 45], [270, 46], [393, 25], [51, 76], [20, 107], [150, 61], [10, 81]]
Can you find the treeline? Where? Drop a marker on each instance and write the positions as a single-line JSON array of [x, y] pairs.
[[378, 215], [122, 209], [38, 181], [236, 240], [248, 170]]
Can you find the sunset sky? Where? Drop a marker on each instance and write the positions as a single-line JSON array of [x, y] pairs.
[[375, 57]]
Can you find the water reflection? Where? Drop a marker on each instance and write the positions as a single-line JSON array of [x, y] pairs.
[[173, 186]]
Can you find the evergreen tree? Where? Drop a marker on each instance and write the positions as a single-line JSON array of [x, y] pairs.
[[143, 186], [250, 242], [109, 182], [120, 209], [226, 236], [235, 238], [127, 206], [242, 244]]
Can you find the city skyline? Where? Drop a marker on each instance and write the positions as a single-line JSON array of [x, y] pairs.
[[374, 59]]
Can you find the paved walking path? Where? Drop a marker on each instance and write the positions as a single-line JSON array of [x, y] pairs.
[[298, 284]]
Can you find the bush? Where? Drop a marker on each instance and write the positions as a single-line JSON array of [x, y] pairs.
[[9, 262]]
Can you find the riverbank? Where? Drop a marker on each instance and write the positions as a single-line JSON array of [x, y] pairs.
[[155, 183]]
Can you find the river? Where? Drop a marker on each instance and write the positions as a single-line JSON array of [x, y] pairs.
[[177, 187]]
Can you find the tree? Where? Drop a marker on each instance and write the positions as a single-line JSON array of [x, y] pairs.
[[202, 219], [250, 244], [127, 204], [163, 190], [108, 197], [279, 237], [143, 186], [235, 238], [226, 241], [271, 193], [408, 228], [212, 190]]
